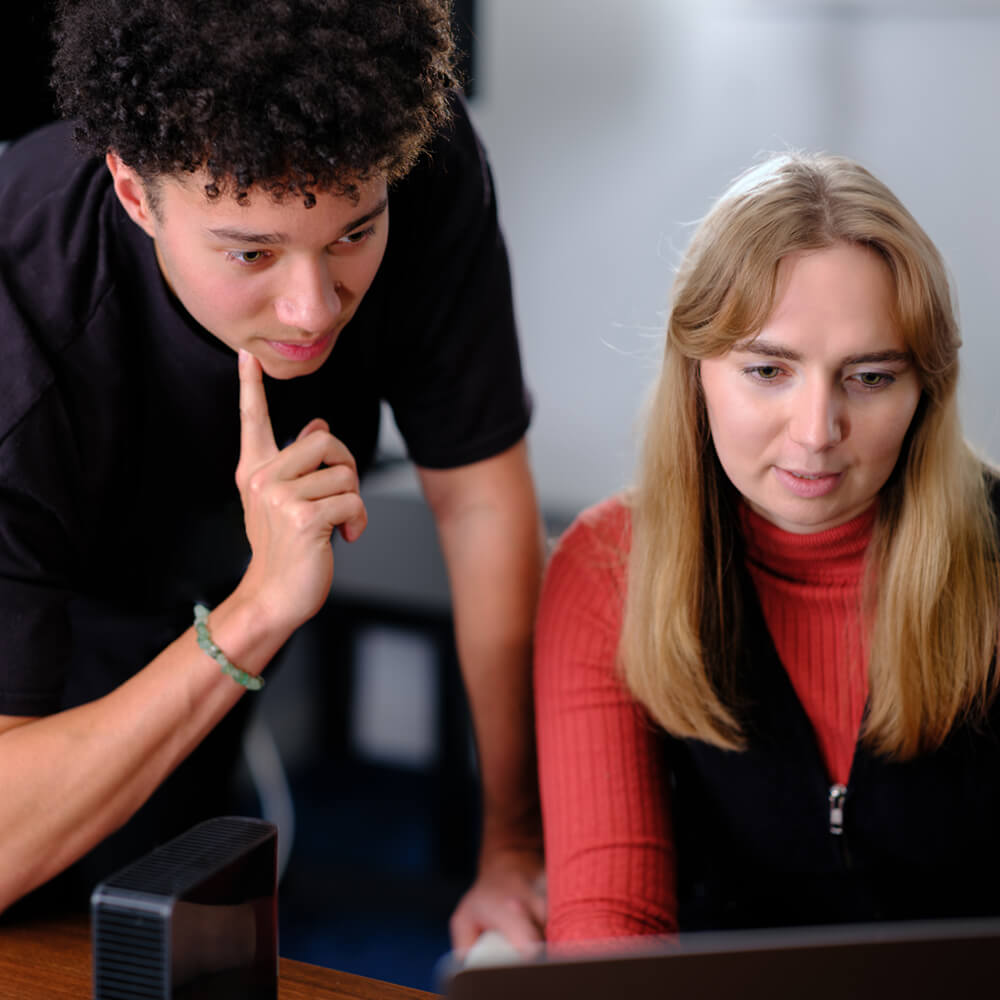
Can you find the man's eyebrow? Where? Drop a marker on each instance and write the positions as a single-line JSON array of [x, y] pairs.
[[767, 349], [380, 206], [233, 234]]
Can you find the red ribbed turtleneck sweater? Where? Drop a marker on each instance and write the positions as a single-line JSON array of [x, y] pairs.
[[605, 798]]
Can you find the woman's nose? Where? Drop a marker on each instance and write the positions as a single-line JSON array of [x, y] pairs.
[[816, 420]]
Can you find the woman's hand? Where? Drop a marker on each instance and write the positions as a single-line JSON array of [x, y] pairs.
[[293, 500], [509, 897]]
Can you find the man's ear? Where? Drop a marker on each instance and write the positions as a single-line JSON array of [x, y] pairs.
[[131, 193]]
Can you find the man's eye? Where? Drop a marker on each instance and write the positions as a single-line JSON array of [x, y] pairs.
[[353, 239], [247, 257]]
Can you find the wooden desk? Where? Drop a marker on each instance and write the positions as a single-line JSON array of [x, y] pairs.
[[50, 960]]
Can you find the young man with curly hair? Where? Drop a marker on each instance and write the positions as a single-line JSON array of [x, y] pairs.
[[232, 221]]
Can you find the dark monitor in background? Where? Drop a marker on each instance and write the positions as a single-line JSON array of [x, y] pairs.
[[466, 27], [25, 65]]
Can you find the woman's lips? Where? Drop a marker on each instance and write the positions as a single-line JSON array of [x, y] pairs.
[[808, 485], [301, 350]]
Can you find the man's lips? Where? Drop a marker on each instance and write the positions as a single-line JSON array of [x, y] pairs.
[[808, 484], [301, 350]]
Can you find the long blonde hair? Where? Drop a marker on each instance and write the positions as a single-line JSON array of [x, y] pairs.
[[932, 594]]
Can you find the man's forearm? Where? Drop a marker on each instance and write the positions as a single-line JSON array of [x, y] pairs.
[[499, 685], [491, 536], [73, 778]]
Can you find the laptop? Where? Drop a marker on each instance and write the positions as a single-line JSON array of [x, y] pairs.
[[915, 960]]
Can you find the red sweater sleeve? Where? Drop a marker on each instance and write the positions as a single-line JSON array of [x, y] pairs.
[[608, 842]]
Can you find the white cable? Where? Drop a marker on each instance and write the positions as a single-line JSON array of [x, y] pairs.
[[268, 775]]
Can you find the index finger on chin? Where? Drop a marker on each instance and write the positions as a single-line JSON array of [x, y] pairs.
[[257, 443]]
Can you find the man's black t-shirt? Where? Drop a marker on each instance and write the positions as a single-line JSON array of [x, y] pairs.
[[119, 418]]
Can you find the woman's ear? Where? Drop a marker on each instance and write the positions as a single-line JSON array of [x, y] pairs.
[[132, 193]]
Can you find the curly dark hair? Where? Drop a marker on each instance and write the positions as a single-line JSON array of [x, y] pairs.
[[290, 95]]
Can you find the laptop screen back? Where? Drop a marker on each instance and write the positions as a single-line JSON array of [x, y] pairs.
[[918, 961]]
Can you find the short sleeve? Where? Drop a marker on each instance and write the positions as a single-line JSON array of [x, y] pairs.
[[449, 353]]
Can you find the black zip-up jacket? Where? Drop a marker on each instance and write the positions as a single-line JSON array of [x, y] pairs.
[[763, 839]]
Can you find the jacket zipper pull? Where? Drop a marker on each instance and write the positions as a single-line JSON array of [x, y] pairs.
[[836, 798]]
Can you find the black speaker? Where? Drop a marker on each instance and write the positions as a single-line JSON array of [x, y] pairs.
[[196, 917]]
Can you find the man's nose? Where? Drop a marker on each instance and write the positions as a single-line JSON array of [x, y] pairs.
[[310, 300]]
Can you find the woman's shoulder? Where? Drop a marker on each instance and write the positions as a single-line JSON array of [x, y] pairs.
[[580, 610], [601, 530], [593, 551]]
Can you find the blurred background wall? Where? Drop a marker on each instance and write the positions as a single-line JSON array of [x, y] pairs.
[[613, 124]]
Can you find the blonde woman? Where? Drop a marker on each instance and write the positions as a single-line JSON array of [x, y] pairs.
[[765, 676]]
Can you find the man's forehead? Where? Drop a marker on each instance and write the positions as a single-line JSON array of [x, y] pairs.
[[264, 216], [351, 192]]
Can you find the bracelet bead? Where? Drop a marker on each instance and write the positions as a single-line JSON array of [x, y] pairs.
[[207, 644]]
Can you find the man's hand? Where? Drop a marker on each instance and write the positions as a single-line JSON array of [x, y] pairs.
[[293, 500], [508, 896]]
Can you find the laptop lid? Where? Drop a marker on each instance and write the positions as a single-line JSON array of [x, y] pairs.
[[918, 960]]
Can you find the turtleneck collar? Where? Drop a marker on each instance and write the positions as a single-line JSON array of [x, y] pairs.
[[835, 555]]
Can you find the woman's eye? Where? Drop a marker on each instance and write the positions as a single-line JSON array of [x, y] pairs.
[[874, 380], [765, 373]]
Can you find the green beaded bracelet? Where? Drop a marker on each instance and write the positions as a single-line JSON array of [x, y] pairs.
[[207, 645]]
